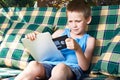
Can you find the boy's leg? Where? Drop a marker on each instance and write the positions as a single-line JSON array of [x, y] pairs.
[[33, 70], [61, 72]]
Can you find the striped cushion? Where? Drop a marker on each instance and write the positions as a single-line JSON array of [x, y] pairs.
[[60, 18], [4, 25], [44, 15], [109, 62], [104, 22], [12, 52], [8, 72]]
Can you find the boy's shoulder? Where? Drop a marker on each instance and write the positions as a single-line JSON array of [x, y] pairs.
[[91, 39], [57, 33]]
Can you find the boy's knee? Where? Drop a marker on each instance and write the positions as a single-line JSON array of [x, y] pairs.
[[37, 68], [33, 64], [60, 72], [60, 67]]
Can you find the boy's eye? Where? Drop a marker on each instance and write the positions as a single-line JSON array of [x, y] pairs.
[[69, 21], [78, 21]]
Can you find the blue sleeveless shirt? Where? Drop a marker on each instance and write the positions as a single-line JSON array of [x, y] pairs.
[[70, 55]]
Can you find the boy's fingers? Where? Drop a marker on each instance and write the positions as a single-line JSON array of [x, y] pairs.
[[68, 40], [31, 36], [27, 36], [36, 32]]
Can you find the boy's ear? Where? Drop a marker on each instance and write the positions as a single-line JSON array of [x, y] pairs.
[[89, 19]]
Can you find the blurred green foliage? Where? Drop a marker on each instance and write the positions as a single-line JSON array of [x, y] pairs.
[[17, 3], [53, 3]]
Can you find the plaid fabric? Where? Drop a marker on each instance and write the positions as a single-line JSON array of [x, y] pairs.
[[4, 25], [12, 52], [104, 21], [60, 18], [3, 17], [109, 62], [44, 15], [8, 72]]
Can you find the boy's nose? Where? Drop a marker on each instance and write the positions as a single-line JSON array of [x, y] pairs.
[[74, 24]]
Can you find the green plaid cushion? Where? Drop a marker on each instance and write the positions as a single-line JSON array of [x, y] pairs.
[[40, 15], [109, 62], [3, 17], [12, 52], [1, 36], [60, 18], [102, 28], [8, 72], [4, 25]]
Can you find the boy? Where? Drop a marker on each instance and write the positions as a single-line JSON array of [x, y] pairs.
[[77, 55]]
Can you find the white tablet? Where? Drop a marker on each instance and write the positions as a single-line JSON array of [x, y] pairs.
[[43, 48]]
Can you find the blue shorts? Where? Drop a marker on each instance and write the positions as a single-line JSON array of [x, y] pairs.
[[76, 71]]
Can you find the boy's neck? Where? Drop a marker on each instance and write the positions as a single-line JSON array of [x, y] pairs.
[[76, 35]]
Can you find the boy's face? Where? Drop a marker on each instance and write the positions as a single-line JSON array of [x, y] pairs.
[[77, 22]]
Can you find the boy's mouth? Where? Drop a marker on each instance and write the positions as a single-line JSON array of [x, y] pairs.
[[75, 30]]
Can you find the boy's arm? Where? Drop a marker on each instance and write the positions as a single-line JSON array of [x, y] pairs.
[[84, 59]]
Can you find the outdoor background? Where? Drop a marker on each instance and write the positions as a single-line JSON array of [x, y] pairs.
[[55, 3]]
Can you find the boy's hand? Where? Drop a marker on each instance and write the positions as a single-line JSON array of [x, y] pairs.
[[32, 36], [71, 44]]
